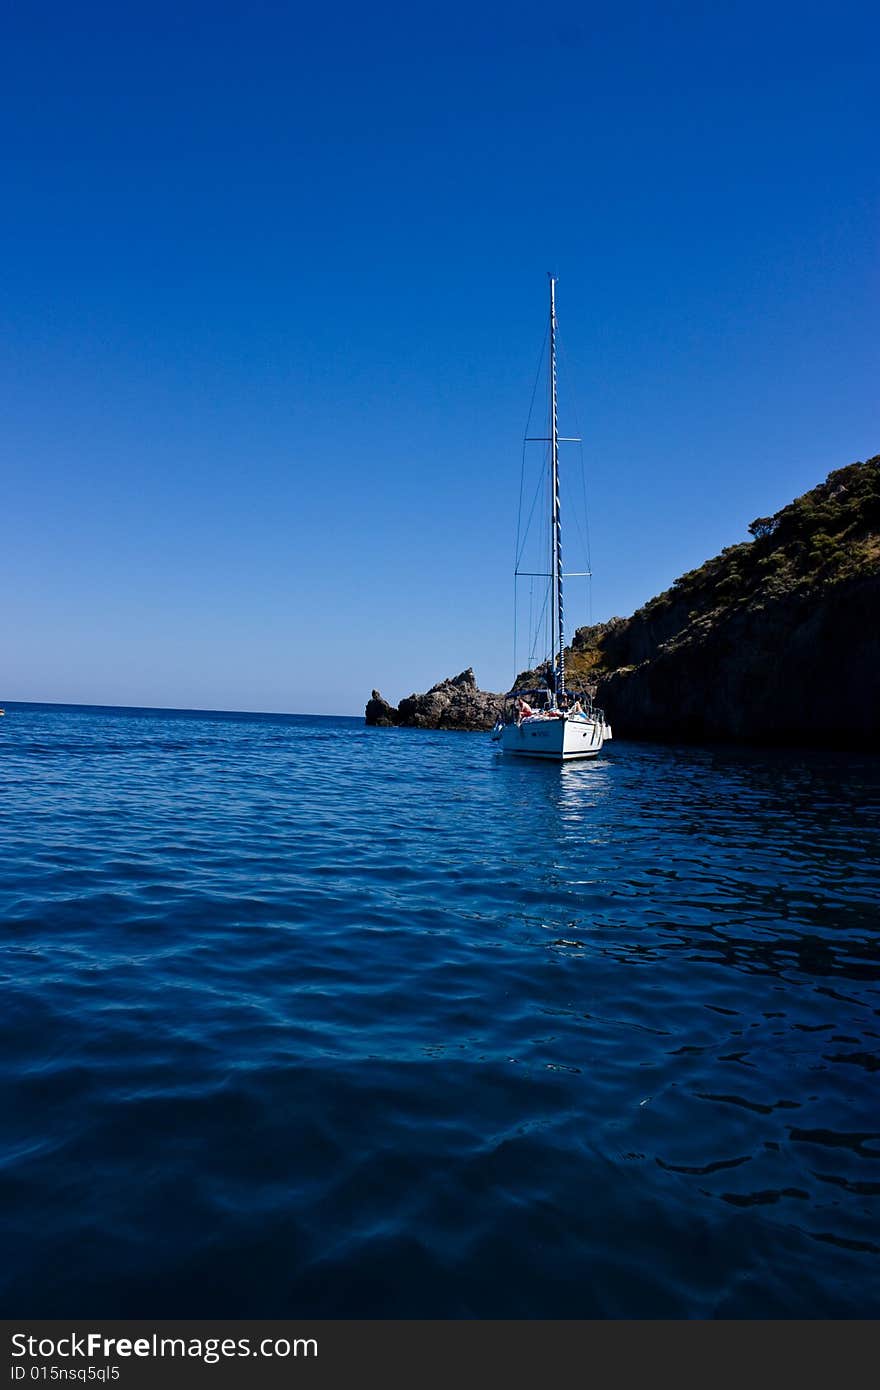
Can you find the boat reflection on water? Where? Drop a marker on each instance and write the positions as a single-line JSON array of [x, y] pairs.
[[561, 796]]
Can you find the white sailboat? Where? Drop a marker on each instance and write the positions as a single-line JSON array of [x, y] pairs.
[[553, 721]]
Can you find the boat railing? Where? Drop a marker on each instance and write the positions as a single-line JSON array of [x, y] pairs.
[[543, 701]]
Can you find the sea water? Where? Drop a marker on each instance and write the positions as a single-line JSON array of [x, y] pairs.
[[304, 1018]]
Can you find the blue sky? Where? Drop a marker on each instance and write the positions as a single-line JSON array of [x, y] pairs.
[[274, 288]]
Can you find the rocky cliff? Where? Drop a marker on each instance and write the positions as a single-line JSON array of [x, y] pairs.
[[775, 640]]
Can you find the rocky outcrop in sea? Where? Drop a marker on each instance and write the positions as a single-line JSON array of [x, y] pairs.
[[456, 703]]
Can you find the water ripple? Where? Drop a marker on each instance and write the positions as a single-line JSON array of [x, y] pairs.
[[303, 1018]]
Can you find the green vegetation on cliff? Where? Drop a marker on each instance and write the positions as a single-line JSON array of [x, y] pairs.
[[828, 537], [829, 534]]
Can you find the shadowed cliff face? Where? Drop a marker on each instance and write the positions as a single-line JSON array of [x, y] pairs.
[[775, 640], [797, 671]]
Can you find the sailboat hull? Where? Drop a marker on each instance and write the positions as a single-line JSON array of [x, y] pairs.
[[562, 740]]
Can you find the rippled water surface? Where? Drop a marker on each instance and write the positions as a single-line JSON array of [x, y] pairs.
[[300, 1017]]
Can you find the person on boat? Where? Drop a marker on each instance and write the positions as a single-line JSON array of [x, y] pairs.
[[577, 708], [523, 710]]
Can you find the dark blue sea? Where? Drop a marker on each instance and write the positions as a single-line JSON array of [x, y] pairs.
[[304, 1018]]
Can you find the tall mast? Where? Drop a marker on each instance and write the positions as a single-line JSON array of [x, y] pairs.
[[556, 538]]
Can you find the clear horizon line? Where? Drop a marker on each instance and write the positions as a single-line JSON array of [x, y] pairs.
[[184, 709]]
